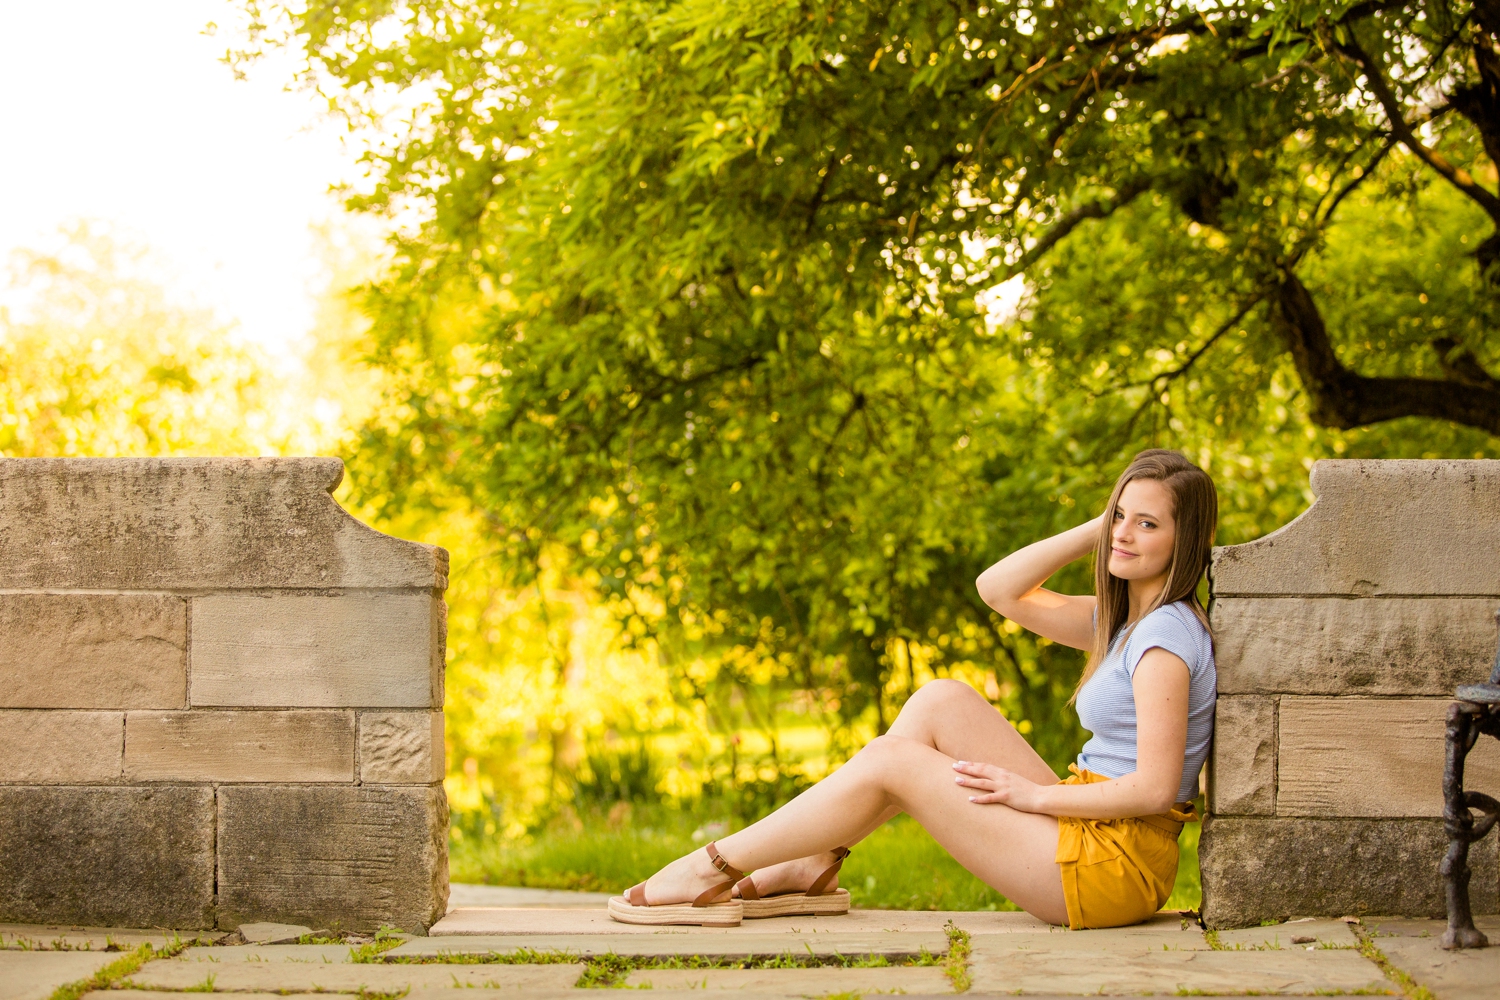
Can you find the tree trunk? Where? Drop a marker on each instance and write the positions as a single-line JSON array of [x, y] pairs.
[[1345, 399]]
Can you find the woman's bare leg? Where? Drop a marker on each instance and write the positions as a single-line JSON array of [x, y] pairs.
[[952, 718], [1010, 850]]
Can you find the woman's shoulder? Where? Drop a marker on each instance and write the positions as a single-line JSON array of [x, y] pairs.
[[1179, 614], [1176, 628]]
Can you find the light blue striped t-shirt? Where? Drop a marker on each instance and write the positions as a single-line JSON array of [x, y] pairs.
[[1106, 705]]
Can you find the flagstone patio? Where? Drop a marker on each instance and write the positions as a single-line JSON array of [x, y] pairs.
[[543, 952]]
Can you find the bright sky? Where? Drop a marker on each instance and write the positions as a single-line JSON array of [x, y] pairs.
[[122, 112]]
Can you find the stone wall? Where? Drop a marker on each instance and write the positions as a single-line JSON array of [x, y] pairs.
[[220, 700], [1340, 639]]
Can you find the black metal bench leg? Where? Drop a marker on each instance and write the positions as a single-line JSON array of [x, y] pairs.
[[1459, 824]]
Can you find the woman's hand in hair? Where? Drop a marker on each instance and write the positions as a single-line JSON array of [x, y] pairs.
[[992, 784], [1013, 587]]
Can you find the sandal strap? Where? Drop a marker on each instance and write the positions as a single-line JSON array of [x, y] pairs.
[[746, 886], [726, 869], [821, 882]]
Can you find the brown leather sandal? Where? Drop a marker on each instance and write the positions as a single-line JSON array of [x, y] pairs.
[[632, 907], [815, 902]]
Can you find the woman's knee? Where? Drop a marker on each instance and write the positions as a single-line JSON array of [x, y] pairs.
[[886, 754], [941, 696]]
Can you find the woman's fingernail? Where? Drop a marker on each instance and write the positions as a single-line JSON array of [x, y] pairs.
[[971, 798]]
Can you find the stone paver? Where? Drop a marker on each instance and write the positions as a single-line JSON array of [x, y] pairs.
[[469, 894], [1162, 932], [1099, 962], [521, 920], [50, 937], [269, 933], [1292, 934], [1011, 953], [796, 982], [31, 975], [684, 941], [322, 954], [432, 993], [346, 977], [1415, 947]]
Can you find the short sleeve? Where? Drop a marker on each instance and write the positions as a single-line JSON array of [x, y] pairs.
[[1165, 629]]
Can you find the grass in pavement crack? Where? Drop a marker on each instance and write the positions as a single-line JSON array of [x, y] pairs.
[[121, 967], [1409, 986], [385, 939], [611, 970], [957, 964]]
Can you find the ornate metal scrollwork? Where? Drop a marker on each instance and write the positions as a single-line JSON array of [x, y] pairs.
[[1475, 713]]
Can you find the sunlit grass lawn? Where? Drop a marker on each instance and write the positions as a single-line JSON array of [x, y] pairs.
[[899, 867]]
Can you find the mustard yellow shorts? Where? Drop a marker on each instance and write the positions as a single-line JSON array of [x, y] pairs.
[[1116, 871]]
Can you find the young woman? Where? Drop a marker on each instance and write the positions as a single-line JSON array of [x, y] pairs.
[[1097, 849]]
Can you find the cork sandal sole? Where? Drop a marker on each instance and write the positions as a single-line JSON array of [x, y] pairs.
[[798, 904], [713, 915], [632, 907]]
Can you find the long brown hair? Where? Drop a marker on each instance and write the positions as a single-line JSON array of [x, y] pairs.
[[1195, 509]]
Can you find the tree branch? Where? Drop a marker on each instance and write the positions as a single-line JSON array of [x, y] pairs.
[[1192, 359], [1457, 176], [1070, 221], [1345, 399]]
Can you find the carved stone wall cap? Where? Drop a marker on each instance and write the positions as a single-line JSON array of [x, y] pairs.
[[1379, 528], [194, 524]]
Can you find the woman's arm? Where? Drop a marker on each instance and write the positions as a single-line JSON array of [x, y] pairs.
[[1013, 587], [1160, 683]]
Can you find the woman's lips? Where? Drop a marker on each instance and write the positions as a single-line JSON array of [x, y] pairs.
[[1122, 553]]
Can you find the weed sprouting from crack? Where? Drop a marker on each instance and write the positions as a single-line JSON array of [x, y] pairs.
[[957, 965], [207, 986], [385, 939]]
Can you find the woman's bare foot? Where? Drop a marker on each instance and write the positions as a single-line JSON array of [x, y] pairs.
[[794, 876], [685, 879]]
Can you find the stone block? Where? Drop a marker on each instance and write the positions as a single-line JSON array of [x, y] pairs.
[[1376, 646], [1379, 528], [1242, 768], [107, 855], [49, 748], [401, 748], [91, 650], [1370, 757], [351, 858], [194, 524], [1256, 869], [239, 746], [316, 651]]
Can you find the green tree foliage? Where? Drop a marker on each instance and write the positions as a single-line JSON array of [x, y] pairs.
[[776, 322]]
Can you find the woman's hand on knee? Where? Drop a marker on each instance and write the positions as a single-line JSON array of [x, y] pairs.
[[992, 784]]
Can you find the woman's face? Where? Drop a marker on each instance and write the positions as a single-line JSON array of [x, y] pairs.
[[1144, 531]]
